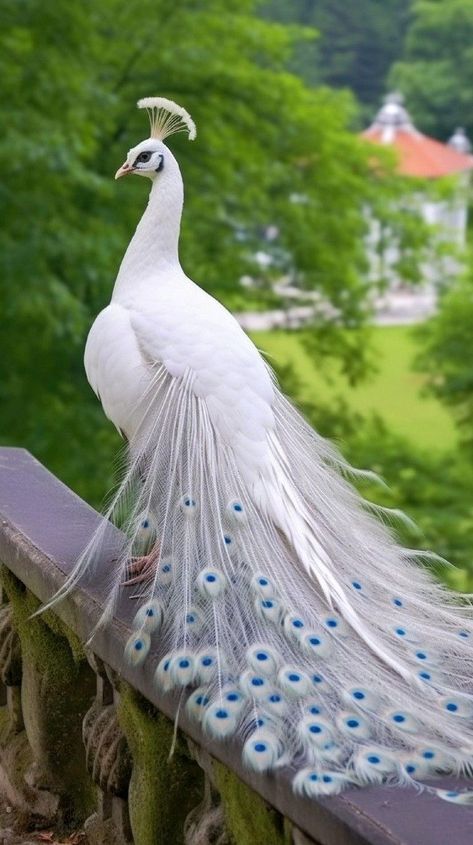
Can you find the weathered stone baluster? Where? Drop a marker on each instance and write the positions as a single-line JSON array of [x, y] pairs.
[[232, 812], [108, 761], [56, 689], [163, 789], [10, 670]]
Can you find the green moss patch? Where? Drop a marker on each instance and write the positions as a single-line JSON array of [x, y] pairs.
[[249, 819], [162, 792]]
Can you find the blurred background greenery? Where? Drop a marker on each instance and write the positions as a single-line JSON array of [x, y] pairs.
[[279, 91]]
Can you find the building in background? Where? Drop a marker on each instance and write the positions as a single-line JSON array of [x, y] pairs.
[[423, 158], [419, 157]]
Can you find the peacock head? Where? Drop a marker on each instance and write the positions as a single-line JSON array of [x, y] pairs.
[[149, 157]]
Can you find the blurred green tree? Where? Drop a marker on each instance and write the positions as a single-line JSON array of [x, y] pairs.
[[436, 72], [269, 151], [448, 354], [356, 44]]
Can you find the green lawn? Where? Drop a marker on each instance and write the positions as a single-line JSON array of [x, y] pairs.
[[394, 392]]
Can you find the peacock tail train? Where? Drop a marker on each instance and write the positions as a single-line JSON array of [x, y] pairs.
[[277, 601], [358, 676]]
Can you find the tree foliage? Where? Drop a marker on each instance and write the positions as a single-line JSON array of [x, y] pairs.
[[436, 72], [448, 354], [355, 45]]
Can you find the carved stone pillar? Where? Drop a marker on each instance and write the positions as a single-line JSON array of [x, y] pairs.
[[108, 762], [164, 788], [56, 690], [233, 813], [10, 672]]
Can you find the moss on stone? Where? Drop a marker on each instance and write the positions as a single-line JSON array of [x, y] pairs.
[[162, 792], [5, 732], [249, 819], [57, 689], [26, 604]]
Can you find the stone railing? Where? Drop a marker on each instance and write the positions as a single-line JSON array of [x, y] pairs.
[[86, 738]]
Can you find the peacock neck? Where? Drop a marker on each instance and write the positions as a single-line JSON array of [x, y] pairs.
[[154, 249]]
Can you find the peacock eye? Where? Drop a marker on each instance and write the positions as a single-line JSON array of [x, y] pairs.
[[143, 158]]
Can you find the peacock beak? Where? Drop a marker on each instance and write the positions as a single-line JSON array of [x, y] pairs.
[[123, 170]]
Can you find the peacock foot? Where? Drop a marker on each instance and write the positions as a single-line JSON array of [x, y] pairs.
[[142, 568]]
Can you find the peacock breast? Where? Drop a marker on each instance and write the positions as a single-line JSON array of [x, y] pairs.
[[115, 368]]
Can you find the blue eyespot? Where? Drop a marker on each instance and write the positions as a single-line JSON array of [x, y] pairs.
[[149, 611], [257, 682], [263, 582], [358, 695], [327, 779], [207, 661], [184, 664], [210, 578], [356, 585], [259, 747], [314, 710], [397, 603], [221, 714], [428, 755], [317, 679], [190, 618], [399, 718], [166, 568], [374, 759], [145, 523], [410, 769], [266, 603], [202, 700], [451, 707], [421, 655], [452, 794], [331, 623], [352, 723], [313, 777], [298, 623], [237, 507], [232, 696], [227, 539], [315, 729], [400, 632], [261, 655], [294, 678], [425, 676], [314, 640], [138, 645], [274, 698], [463, 634]]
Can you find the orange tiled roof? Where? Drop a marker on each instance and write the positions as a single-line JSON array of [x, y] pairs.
[[420, 155]]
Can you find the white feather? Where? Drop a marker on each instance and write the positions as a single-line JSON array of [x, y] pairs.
[[137, 648], [263, 659], [262, 751], [219, 721], [149, 617], [294, 682], [314, 783]]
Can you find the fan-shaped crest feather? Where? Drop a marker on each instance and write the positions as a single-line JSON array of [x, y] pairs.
[[166, 118]]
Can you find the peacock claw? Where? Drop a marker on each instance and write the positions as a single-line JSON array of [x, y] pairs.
[[142, 568]]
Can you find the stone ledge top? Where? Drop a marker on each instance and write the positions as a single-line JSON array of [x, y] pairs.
[[43, 528]]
